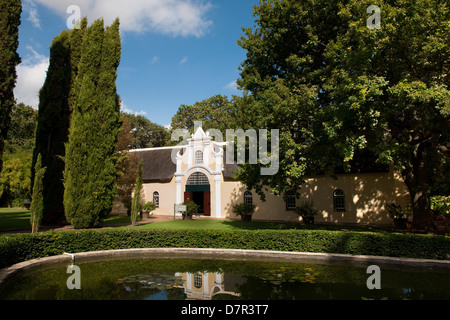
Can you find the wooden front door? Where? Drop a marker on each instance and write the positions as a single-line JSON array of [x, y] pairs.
[[207, 203], [187, 196]]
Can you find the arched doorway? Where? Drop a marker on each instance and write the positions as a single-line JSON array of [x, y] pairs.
[[199, 191]]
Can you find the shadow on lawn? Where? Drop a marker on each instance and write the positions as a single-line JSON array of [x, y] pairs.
[[14, 219], [260, 225]]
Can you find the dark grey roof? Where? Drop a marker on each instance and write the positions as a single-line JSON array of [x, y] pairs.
[[157, 165], [228, 171]]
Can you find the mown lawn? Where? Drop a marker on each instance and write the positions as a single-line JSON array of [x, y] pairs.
[[256, 225], [117, 219], [14, 219], [19, 219]]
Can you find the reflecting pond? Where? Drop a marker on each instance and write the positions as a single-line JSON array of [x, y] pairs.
[[209, 279]]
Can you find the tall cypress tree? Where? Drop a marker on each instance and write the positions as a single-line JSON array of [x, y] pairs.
[[90, 169], [37, 201], [10, 11], [136, 204], [55, 108]]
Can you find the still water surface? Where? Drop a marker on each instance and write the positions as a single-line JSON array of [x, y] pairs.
[[181, 279]]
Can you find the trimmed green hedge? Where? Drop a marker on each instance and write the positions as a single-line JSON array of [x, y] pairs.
[[16, 248]]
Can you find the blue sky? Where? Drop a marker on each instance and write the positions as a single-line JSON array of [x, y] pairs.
[[173, 51]]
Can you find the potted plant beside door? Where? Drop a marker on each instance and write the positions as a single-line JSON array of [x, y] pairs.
[[245, 210], [191, 209]]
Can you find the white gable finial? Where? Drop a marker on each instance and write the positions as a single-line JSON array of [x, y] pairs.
[[199, 134]]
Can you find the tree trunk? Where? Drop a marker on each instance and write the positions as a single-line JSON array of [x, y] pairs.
[[421, 205], [417, 180]]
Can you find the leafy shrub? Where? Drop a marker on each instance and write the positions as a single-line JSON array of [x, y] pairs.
[[149, 206], [395, 211], [306, 209], [191, 208], [243, 209], [15, 248], [441, 205]]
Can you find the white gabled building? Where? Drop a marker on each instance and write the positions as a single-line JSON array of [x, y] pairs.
[[197, 171]]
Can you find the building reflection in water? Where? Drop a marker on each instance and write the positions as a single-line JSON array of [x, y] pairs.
[[206, 286]]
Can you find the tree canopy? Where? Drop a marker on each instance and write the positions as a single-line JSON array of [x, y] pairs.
[[216, 112], [337, 89], [10, 11], [56, 102], [23, 126], [15, 183], [127, 164], [145, 133], [90, 158]]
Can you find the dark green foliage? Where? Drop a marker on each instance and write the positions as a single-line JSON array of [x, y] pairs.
[[90, 168], [191, 208], [283, 75], [15, 248], [37, 199], [55, 109], [10, 11], [148, 206], [216, 112], [441, 205], [339, 91], [146, 134], [52, 128], [306, 209], [136, 205], [243, 209], [23, 126], [15, 182], [126, 165], [389, 90]]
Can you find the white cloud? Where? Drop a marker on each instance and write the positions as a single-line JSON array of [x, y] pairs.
[[31, 74], [184, 60], [126, 109], [155, 59], [232, 85], [33, 16], [172, 17]]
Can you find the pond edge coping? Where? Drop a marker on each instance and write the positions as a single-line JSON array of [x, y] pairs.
[[224, 254]]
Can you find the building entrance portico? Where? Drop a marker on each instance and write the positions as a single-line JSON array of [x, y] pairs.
[[198, 190], [198, 175]]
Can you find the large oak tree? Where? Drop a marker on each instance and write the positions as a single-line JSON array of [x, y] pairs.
[[339, 90]]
